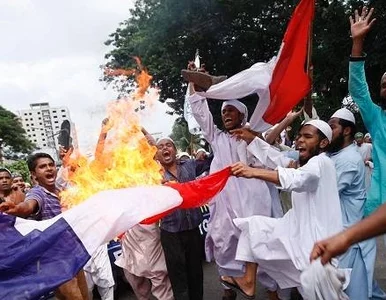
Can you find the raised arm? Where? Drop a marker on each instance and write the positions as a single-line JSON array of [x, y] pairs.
[[106, 126], [358, 88], [202, 114], [261, 150], [276, 131]]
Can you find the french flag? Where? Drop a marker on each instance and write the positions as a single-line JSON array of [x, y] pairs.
[[280, 83], [38, 256]]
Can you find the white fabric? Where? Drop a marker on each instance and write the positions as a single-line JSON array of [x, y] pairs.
[[165, 138], [109, 213], [239, 106], [344, 114], [314, 115], [241, 197], [323, 282], [99, 268], [193, 126], [256, 79], [322, 126], [282, 247]]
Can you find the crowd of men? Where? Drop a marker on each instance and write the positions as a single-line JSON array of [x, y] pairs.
[[279, 208]]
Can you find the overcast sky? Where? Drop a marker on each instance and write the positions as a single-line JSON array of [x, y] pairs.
[[51, 51]]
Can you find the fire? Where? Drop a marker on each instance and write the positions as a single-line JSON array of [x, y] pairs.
[[127, 159]]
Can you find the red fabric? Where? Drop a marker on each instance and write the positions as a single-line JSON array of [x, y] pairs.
[[290, 82], [195, 193]]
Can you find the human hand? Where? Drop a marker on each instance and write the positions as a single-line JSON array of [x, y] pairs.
[[8, 207], [191, 66], [243, 134], [293, 164], [330, 248], [64, 154], [293, 115], [107, 124], [241, 170], [361, 24]]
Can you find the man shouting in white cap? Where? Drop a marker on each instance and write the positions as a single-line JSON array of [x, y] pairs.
[[281, 247]]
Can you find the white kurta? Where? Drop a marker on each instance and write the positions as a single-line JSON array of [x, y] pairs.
[[282, 246], [240, 198]]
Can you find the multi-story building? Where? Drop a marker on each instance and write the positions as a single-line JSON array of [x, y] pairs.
[[42, 124]]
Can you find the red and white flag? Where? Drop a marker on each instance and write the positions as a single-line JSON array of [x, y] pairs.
[[280, 83]]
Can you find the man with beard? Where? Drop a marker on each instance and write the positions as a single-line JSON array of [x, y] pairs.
[[240, 197], [374, 116], [350, 171], [180, 234], [42, 202], [281, 247], [7, 192]]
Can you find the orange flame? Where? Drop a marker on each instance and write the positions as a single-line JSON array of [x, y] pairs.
[[127, 159]]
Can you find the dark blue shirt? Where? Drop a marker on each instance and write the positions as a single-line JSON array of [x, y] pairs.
[[185, 219]]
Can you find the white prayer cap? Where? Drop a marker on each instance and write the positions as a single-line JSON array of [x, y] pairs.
[[201, 150], [344, 114], [181, 154], [367, 135], [165, 138], [239, 106], [323, 127]]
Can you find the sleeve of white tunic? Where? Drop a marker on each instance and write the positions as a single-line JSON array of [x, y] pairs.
[[203, 116], [304, 179], [267, 155]]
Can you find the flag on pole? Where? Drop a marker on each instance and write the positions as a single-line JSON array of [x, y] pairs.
[[38, 256], [280, 83]]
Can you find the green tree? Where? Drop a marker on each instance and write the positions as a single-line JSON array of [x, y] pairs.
[[20, 167], [184, 140], [232, 35], [12, 133]]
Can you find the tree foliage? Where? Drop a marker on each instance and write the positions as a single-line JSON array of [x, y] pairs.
[[184, 140], [233, 34], [12, 133], [20, 167]]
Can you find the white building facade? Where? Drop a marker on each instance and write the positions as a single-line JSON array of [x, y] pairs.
[[42, 124]]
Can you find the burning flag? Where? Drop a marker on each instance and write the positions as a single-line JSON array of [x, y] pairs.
[[282, 82], [38, 256], [109, 194]]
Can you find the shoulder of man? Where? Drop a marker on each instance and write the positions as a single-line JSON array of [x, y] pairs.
[[35, 193]]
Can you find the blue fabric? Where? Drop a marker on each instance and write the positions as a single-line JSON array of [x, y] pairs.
[[185, 219], [32, 265], [374, 118], [350, 172]]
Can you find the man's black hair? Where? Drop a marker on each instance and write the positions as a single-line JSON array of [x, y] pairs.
[[6, 170], [32, 159], [345, 123]]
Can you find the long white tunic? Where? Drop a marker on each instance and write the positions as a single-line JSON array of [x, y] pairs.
[[282, 246], [240, 198]]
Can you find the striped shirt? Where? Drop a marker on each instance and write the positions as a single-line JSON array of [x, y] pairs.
[[49, 203]]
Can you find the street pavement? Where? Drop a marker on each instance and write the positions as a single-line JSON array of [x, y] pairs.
[[213, 289]]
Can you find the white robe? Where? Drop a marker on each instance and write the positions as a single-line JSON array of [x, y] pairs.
[[282, 246], [240, 198]]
